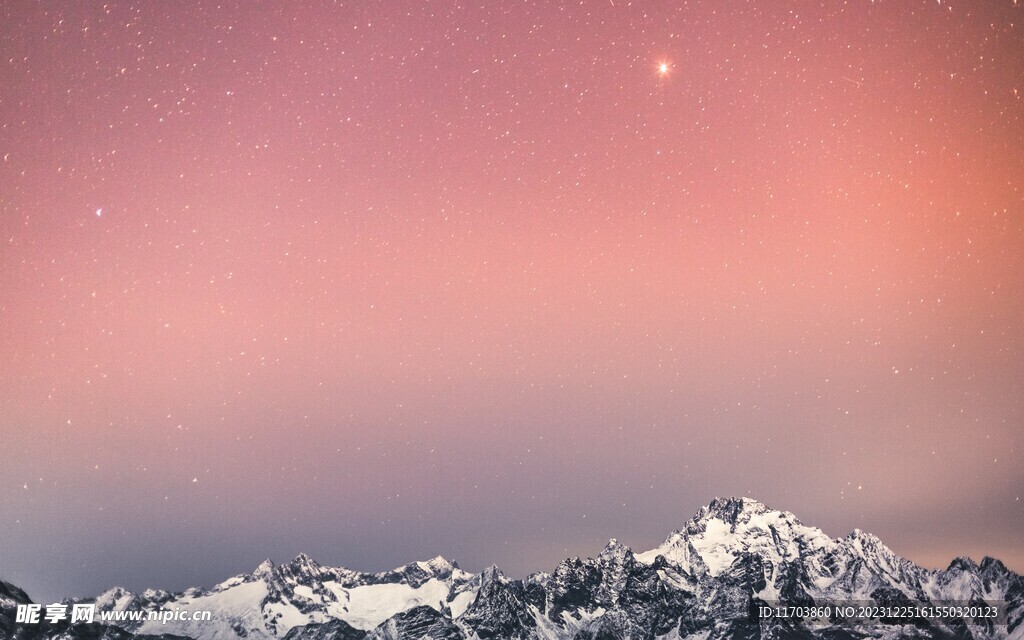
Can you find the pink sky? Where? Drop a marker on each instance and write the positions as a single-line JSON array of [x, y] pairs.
[[381, 282]]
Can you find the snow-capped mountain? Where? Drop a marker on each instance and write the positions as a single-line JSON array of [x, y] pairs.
[[273, 600], [700, 583]]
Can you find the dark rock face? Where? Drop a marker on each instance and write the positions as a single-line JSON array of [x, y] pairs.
[[415, 624], [573, 586], [501, 608], [10, 597], [702, 581], [331, 630]]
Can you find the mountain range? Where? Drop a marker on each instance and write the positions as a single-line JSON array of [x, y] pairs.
[[703, 583]]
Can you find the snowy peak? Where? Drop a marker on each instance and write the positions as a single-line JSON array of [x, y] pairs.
[[440, 562], [115, 599], [990, 564], [264, 569], [274, 599], [733, 511], [438, 565], [869, 546], [741, 516], [435, 566], [882, 559], [491, 576], [302, 568], [864, 539], [962, 563], [419, 573], [967, 580], [729, 528], [615, 552]]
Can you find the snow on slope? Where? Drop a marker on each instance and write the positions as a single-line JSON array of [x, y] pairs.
[[373, 604], [237, 608], [721, 532], [270, 601]]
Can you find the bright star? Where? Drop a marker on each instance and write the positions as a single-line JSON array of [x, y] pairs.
[[663, 68]]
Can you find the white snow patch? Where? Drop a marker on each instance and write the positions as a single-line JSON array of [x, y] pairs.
[[712, 545], [232, 606], [115, 599], [461, 602], [370, 605], [339, 608]]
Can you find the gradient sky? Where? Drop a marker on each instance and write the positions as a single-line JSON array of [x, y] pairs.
[[377, 281]]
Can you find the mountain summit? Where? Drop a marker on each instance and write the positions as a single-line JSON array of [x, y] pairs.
[[701, 583]]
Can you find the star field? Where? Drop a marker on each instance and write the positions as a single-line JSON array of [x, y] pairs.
[[382, 280]]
